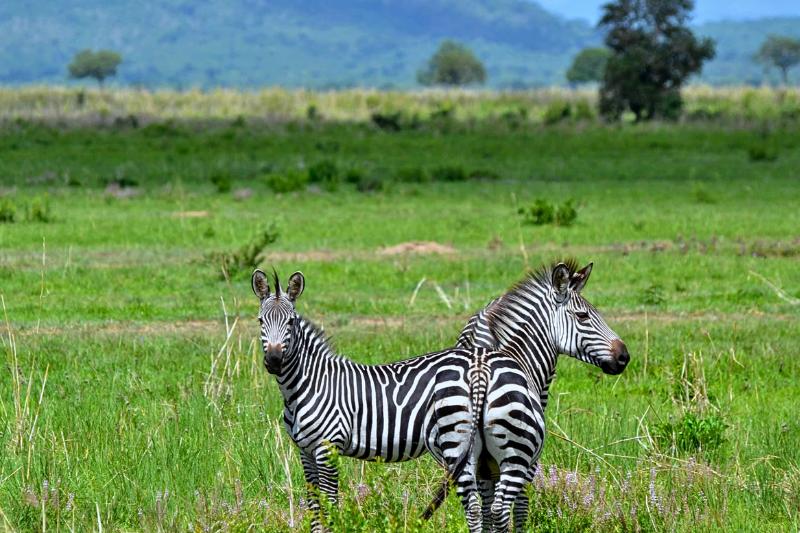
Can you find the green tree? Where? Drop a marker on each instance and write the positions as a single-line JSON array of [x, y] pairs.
[[453, 64], [98, 65], [781, 52], [589, 65], [653, 52]]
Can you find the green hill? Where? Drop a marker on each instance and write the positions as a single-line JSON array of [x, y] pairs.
[[324, 43]]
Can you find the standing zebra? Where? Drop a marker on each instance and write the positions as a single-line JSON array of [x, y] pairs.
[[470, 408], [540, 317]]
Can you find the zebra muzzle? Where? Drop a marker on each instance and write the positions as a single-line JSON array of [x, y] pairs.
[[273, 357]]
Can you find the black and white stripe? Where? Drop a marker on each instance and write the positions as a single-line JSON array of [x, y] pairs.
[[470, 409], [541, 317]]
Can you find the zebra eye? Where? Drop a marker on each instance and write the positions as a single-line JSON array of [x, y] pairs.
[[290, 323], [582, 316]]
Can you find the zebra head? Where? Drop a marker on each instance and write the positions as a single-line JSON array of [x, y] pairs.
[[277, 316], [578, 328]]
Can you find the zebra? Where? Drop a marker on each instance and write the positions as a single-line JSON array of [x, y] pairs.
[[541, 316], [470, 409]]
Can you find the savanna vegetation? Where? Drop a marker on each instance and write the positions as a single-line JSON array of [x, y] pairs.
[[133, 394]]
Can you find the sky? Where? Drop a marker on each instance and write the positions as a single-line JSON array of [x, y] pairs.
[[705, 10]]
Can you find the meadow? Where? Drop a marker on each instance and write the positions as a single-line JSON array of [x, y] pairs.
[[133, 394]]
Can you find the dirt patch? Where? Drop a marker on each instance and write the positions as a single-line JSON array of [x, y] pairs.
[[312, 255], [190, 214], [418, 247]]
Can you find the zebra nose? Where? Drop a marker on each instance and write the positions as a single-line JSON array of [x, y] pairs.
[[274, 350], [620, 351]]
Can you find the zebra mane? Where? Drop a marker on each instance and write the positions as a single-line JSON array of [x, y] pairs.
[[276, 281], [541, 277], [317, 333]]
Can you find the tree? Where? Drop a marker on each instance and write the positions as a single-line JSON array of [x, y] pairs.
[[98, 65], [589, 65], [781, 52], [453, 64], [653, 52]]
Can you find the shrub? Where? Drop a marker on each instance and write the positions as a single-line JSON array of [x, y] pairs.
[[484, 174], [449, 173], [388, 121], [8, 211], [540, 213], [222, 181], [39, 211], [556, 112], [325, 173], [289, 181], [353, 175], [566, 214], [543, 212], [762, 152], [412, 175], [692, 432], [653, 295], [583, 111], [702, 195], [246, 258], [370, 184]]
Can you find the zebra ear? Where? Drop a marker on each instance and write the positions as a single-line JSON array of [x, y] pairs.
[[560, 281], [260, 285], [579, 278], [297, 282]]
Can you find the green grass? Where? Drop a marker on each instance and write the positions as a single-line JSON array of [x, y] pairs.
[[120, 389]]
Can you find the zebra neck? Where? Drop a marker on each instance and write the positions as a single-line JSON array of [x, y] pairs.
[[311, 348], [522, 327]]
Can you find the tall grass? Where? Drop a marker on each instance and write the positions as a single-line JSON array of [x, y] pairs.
[[136, 106]]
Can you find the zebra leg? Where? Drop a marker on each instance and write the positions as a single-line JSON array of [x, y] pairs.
[[467, 490], [506, 491], [487, 496], [328, 474], [311, 474], [521, 511]]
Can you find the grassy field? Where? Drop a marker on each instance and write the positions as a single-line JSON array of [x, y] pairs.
[[133, 395]]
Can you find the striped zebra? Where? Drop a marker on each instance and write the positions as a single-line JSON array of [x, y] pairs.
[[471, 409], [540, 317]]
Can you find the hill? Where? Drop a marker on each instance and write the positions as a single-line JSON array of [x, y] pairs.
[[323, 44]]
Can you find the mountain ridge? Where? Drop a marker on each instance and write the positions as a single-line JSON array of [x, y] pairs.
[[324, 44]]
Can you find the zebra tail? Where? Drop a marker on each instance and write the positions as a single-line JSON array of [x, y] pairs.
[[478, 385]]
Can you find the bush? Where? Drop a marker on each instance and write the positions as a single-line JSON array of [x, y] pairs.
[[222, 181], [653, 295], [388, 121], [370, 184], [8, 211], [412, 175], [449, 173], [353, 175], [325, 173], [762, 152], [538, 214], [289, 181], [484, 174], [246, 258], [39, 211], [543, 212], [566, 214], [702, 195], [556, 112], [583, 111], [692, 432]]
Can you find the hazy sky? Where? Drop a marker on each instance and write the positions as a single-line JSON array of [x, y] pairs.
[[705, 10]]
